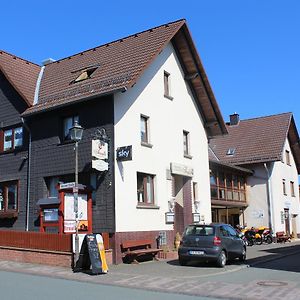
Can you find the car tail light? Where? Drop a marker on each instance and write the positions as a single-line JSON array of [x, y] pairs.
[[217, 241]]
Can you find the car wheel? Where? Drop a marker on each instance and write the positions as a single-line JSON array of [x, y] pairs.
[[243, 255], [221, 261], [182, 261]]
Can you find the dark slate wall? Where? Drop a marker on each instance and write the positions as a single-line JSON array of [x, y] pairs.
[[52, 157], [13, 165]]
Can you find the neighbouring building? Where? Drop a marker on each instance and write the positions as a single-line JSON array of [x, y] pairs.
[[16, 95], [269, 147], [145, 103]]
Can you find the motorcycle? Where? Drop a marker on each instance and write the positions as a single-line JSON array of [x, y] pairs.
[[253, 237], [267, 236]]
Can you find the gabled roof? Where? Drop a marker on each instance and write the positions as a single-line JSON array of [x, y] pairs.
[[21, 74], [258, 140], [119, 64]]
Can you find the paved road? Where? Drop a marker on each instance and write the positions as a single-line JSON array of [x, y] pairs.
[[16, 286], [272, 271]]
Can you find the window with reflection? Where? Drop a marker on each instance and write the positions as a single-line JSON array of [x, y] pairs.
[[227, 186]]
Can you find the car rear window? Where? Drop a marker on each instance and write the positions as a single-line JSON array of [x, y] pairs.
[[199, 230]]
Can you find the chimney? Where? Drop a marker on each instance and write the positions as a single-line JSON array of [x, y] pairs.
[[234, 119], [48, 61]]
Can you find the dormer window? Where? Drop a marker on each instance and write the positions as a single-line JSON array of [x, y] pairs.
[[230, 151], [85, 74]]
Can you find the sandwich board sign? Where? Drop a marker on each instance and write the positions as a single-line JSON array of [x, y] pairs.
[[92, 256]]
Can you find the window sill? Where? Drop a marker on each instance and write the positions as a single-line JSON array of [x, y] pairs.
[[147, 206], [18, 149], [148, 145], [8, 214], [188, 156], [169, 97]]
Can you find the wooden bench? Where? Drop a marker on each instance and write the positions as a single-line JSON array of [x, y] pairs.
[[134, 249], [282, 237]]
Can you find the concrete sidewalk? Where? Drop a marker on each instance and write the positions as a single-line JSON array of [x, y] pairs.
[[165, 275]]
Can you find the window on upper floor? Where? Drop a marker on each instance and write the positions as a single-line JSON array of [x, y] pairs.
[[167, 85], [144, 123], [287, 157], [8, 196], [67, 125], [145, 189], [283, 187], [11, 139], [292, 189], [186, 144], [227, 186]]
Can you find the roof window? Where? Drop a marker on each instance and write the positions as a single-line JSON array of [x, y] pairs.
[[230, 151], [85, 74]]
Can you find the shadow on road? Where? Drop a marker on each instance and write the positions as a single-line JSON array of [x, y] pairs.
[[282, 258], [197, 264]]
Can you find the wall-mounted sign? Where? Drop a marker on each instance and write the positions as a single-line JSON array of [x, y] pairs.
[[99, 149], [124, 153], [169, 217], [51, 215], [69, 214], [67, 185], [99, 165], [183, 170]]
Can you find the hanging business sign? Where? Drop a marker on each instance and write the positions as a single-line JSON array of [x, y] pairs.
[[99, 165], [124, 153], [99, 149]]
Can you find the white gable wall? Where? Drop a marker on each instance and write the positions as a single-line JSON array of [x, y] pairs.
[[288, 172], [167, 119], [256, 214]]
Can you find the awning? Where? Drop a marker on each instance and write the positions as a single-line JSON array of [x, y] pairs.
[[48, 201]]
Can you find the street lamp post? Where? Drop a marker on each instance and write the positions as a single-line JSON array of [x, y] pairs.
[[76, 135]]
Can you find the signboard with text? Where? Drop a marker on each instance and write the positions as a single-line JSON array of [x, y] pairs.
[[124, 153]]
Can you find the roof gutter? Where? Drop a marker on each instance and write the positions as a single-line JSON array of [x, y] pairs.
[[64, 104]]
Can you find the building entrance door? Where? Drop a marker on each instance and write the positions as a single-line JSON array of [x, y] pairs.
[[287, 220]]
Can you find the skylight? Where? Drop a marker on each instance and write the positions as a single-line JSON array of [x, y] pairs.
[[230, 151], [85, 74]]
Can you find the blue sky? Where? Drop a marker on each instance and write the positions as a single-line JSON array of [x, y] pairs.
[[250, 49]]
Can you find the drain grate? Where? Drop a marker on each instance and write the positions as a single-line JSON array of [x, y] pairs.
[[272, 283]]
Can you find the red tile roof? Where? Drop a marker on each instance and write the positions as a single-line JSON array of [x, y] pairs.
[[119, 65], [258, 140], [21, 74]]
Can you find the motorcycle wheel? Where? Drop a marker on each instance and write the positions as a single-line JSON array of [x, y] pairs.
[[269, 239], [258, 241]]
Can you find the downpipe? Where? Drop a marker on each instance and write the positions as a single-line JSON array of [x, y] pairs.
[[269, 200]]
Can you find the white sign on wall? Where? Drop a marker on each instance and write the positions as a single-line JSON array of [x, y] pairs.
[[183, 170], [99, 165], [99, 149]]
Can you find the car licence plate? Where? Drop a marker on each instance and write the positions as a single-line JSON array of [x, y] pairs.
[[196, 252]]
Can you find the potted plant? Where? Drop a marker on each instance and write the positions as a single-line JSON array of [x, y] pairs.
[[177, 240]]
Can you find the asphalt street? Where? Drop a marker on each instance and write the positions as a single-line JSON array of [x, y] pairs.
[[270, 271]]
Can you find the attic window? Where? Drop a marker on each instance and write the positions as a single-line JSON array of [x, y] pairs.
[[85, 74], [230, 151]]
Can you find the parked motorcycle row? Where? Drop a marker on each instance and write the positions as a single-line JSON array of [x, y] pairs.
[[255, 236]]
